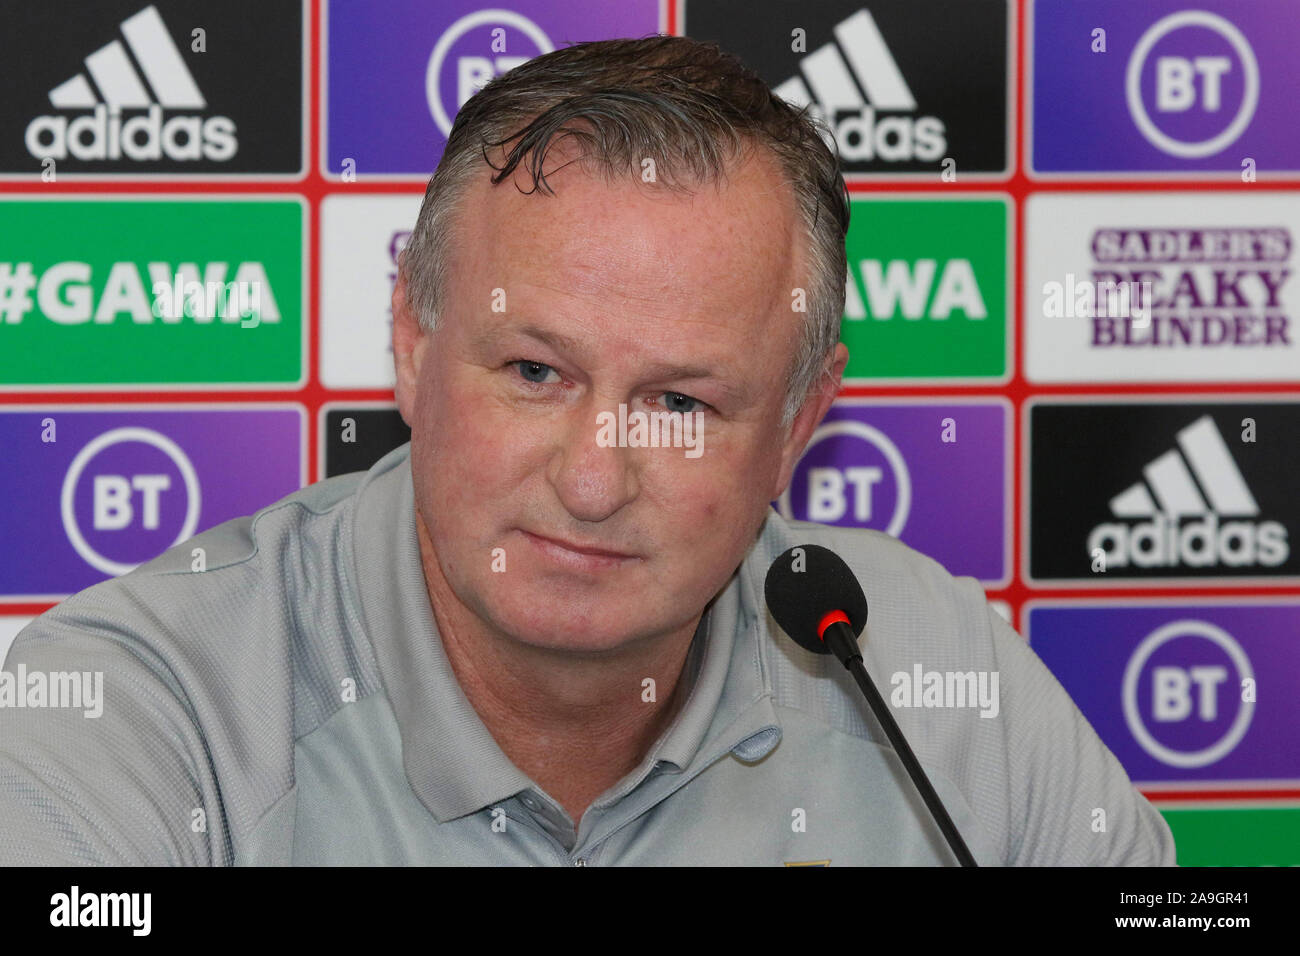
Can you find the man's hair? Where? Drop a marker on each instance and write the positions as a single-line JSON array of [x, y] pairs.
[[687, 105]]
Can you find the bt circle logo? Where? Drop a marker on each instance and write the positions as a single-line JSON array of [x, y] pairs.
[[129, 495], [1192, 84], [1183, 693], [475, 49], [857, 480]]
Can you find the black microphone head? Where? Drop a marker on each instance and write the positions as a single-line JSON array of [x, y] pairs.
[[807, 582]]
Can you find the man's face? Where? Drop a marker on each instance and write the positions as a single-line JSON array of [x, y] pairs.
[[563, 307]]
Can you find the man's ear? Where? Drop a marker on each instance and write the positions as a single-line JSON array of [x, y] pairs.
[[409, 343], [814, 409]]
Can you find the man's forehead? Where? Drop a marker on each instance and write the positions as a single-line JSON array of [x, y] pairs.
[[598, 235]]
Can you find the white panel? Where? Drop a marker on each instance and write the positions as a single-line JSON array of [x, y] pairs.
[[356, 286], [1058, 240]]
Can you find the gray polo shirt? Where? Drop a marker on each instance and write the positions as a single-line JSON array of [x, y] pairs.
[[292, 703]]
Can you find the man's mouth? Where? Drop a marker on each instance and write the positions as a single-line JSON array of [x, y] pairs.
[[576, 554]]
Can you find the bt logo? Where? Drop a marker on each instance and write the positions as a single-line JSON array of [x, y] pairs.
[[851, 474], [474, 50], [1198, 74], [129, 494], [1189, 693]]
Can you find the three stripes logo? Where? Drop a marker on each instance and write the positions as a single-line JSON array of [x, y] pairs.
[[1193, 510], [128, 89], [850, 82]]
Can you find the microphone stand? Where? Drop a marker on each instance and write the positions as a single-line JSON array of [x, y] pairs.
[[839, 637]]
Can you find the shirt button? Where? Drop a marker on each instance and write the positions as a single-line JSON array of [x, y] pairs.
[[579, 862], [530, 803]]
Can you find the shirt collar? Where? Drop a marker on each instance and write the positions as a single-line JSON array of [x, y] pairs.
[[451, 760]]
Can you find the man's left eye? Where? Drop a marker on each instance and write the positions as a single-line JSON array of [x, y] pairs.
[[534, 372], [677, 402]]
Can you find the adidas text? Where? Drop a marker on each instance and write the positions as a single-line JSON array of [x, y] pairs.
[[861, 136], [144, 136], [1198, 543]]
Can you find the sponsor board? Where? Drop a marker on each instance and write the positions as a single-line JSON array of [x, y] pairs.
[[905, 86], [934, 474], [361, 238], [91, 494], [928, 293], [1163, 88], [175, 88], [1217, 294], [1180, 491], [355, 435], [422, 62], [204, 293], [1194, 691]]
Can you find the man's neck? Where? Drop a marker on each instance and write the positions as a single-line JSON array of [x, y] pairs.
[[575, 722]]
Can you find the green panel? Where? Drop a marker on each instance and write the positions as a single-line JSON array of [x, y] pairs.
[[61, 262], [1232, 837], [924, 272]]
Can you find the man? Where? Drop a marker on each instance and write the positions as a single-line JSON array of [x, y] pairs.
[[529, 637]]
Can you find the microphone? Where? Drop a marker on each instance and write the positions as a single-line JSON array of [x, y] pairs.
[[816, 599]]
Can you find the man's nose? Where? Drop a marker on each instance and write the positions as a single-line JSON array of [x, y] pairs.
[[591, 480]]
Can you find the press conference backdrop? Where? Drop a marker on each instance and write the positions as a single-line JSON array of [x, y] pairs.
[[1071, 311]]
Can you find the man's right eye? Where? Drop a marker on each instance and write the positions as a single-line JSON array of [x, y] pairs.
[[534, 372]]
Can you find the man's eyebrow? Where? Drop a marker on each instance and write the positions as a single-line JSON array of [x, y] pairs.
[[716, 377], [666, 370], [556, 340]]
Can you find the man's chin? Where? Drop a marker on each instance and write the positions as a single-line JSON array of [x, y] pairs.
[[567, 637], [540, 619]]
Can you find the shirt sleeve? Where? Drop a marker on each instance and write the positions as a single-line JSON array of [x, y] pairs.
[[1072, 803], [131, 784]]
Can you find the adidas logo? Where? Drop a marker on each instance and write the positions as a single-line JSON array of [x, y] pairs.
[[1210, 490], [835, 97], [107, 132]]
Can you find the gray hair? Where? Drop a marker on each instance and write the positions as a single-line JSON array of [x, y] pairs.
[[688, 104]]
